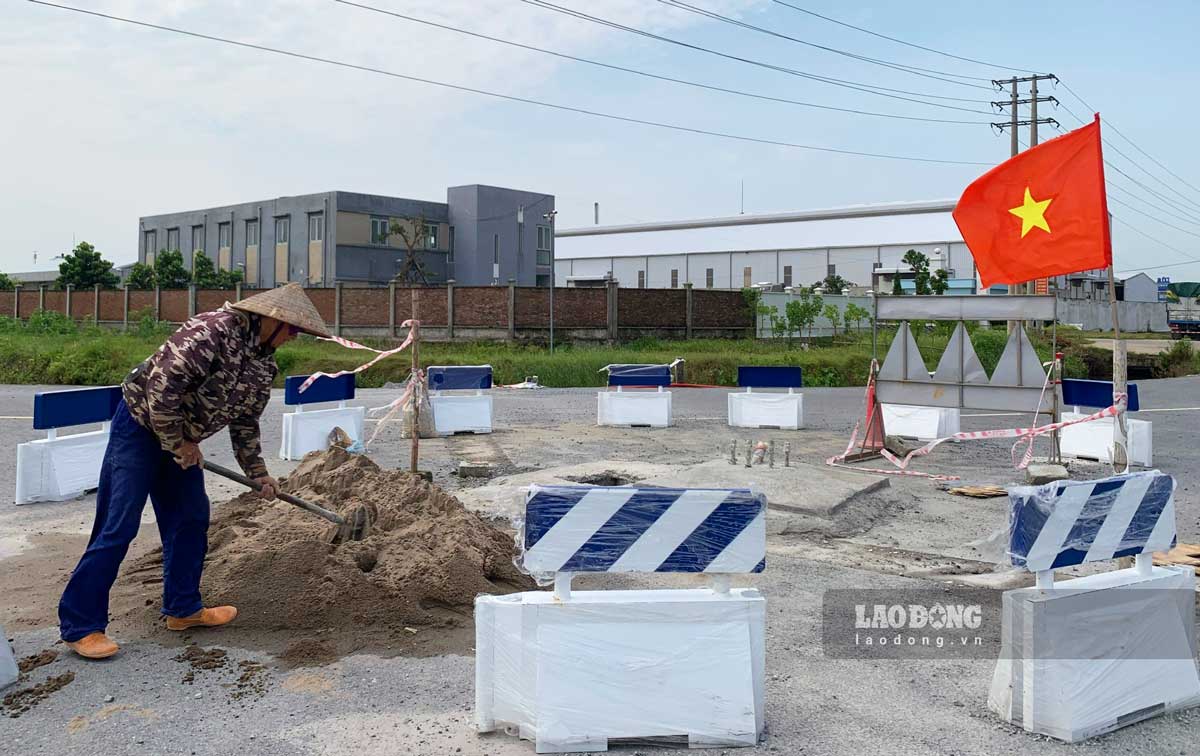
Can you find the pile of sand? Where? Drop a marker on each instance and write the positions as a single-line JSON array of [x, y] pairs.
[[417, 571]]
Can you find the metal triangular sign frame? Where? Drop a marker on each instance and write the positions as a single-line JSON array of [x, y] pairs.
[[1020, 364], [960, 368], [894, 367]]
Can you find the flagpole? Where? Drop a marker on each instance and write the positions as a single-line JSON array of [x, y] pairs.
[[1120, 458]]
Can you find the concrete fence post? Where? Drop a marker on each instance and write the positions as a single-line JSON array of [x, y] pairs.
[[67, 301], [450, 309], [237, 291], [41, 296], [157, 303], [687, 300], [96, 304], [337, 308], [512, 309], [125, 309], [17, 302], [392, 309], [191, 299], [612, 310]]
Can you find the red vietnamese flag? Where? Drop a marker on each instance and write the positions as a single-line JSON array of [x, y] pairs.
[[1042, 213]]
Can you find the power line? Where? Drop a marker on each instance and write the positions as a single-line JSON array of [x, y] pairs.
[[647, 74], [874, 89], [1157, 208], [1160, 242], [497, 95], [1152, 217], [914, 70], [899, 41]]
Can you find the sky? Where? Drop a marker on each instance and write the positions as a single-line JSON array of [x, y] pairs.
[[105, 122]]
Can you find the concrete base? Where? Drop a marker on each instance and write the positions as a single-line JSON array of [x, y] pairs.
[[308, 431], [925, 423], [1093, 440], [1038, 474], [58, 469], [760, 410], [572, 674], [461, 413], [634, 408], [1097, 653]]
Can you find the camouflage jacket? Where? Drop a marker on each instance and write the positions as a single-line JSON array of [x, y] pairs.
[[210, 373]]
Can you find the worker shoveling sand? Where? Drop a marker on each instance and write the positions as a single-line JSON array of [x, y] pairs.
[[408, 585]]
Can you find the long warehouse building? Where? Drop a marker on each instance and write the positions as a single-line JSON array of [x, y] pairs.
[[863, 244]]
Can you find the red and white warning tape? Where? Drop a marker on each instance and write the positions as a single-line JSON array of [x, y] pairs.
[[379, 355]]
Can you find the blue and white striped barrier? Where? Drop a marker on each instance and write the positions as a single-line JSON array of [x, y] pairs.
[[61, 467], [1067, 523], [460, 413], [599, 529], [307, 430]]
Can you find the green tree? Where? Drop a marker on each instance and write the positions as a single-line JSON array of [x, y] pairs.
[[802, 312], [203, 270], [833, 315], [83, 268], [833, 284], [940, 281], [169, 271], [897, 288], [141, 276], [920, 268], [7, 283], [858, 315]]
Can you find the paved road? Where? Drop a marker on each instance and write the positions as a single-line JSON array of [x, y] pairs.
[[1137, 346], [368, 704]]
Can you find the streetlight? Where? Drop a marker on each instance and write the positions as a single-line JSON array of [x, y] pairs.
[[549, 217]]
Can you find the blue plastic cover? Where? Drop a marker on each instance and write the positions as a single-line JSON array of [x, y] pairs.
[[782, 376], [639, 375], [603, 529], [1072, 522], [1081, 393], [324, 389], [59, 409], [458, 377]]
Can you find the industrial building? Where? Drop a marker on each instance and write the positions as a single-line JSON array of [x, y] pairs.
[[863, 244], [481, 235]]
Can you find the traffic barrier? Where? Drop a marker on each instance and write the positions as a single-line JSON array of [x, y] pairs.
[[571, 670], [307, 430], [1095, 440], [1086, 656], [635, 408], [782, 411], [922, 423], [57, 468], [460, 413]]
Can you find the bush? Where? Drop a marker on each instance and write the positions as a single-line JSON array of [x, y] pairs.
[[1179, 360], [48, 322]]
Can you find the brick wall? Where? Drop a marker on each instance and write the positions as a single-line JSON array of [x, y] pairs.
[[56, 300], [112, 305], [325, 300], [82, 303], [652, 308], [720, 309], [140, 301], [533, 307], [214, 299], [174, 305], [484, 306], [580, 308], [431, 305], [29, 302], [364, 307], [7, 301]]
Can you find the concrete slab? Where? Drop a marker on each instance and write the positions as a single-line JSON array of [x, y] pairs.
[[816, 490], [502, 497]]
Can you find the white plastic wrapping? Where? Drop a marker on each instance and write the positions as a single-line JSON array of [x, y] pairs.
[[571, 675], [61, 468], [1097, 653], [305, 431], [9, 672]]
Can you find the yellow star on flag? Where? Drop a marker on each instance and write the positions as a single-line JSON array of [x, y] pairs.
[[1032, 214]]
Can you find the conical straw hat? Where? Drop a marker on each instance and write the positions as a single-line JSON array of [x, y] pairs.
[[287, 304]]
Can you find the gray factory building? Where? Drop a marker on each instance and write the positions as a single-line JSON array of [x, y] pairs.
[[481, 235]]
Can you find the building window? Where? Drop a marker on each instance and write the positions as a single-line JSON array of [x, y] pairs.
[[379, 230], [787, 275], [747, 274], [831, 269], [431, 236], [543, 280], [148, 245], [197, 238], [450, 254], [641, 279], [173, 239], [674, 278], [223, 235], [252, 233], [708, 278], [544, 238], [283, 227], [316, 227]]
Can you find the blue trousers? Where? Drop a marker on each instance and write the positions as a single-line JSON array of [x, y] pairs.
[[135, 466]]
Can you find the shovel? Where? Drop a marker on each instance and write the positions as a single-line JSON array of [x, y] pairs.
[[353, 529]]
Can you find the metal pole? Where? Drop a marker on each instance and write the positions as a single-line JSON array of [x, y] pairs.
[[552, 281], [1013, 148], [1120, 458], [1033, 119]]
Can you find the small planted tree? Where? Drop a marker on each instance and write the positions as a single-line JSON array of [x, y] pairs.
[[858, 315], [940, 281], [84, 267], [169, 272], [833, 284], [141, 276], [897, 289], [7, 283], [833, 315]]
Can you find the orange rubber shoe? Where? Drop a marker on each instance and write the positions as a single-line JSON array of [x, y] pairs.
[[94, 646], [208, 617]]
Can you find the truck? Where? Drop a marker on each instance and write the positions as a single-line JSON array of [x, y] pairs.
[[1183, 310]]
